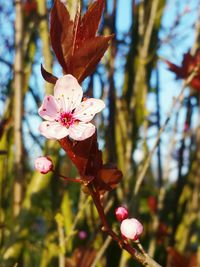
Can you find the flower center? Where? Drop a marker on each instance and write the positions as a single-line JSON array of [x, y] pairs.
[[66, 119]]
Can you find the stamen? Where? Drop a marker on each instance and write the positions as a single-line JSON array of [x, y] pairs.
[[66, 119]]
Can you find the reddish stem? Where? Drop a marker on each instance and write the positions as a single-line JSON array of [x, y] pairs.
[[144, 259], [74, 180]]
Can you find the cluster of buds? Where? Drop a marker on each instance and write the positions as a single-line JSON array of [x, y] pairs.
[[130, 228]]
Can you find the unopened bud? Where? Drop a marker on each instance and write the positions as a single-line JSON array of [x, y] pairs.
[[131, 228], [43, 164], [121, 213]]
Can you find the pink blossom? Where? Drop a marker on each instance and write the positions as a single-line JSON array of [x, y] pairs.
[[131, 228], [43, 164], [82, 235], [121, 213], [65, 114]]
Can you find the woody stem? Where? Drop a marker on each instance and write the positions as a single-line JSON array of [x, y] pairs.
[[69, 179], [144, 259]]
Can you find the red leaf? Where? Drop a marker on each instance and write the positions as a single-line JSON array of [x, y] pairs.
[[176, 69], [61, 32], [189, 63], [90, 22], [48, 76], [76, 28], [110, 176], [88, 159], [74, 42], [195, 83], [85, 60], [84, 154]]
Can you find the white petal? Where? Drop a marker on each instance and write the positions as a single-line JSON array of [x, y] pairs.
[[49, 109], [68, 92], [87, 109], [81, 131], [53, 130]]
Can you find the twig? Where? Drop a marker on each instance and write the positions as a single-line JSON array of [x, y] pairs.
[[144, 259], [160, 173], [176, 101], [197, 31], [181, 179], [61, 238], [76, 220], [101, 251], [7, 63], [149, 29], [69, 179]]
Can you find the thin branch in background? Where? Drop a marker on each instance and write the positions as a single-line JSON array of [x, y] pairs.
[[35, 138], [162, 190], [181, 180], [61, 240], [176, 102], [197, 36], [160, 173], [76, 220], [35, 96], [6, 62], [101, 251]]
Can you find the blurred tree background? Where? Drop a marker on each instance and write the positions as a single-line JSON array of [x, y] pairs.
[[47, 222]]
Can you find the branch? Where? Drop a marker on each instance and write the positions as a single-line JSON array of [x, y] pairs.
[[176, 101], [7, 63], [101, 251], [144, 259]]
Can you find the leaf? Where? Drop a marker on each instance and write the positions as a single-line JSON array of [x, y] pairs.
[[84, 154], [176, 69], [74, 42], [90, 22], [61, 32], [76, 28], [48, 76], [88, 159], [110, 176], [85, 60]]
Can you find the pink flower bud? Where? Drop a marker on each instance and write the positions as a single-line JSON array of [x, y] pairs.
[[121, 213], [43, 164], [82, 235], [131, 228]]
